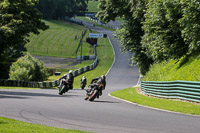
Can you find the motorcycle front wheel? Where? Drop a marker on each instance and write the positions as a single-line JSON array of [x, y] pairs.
[[61, 90]]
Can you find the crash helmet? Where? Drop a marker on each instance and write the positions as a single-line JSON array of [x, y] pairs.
[[70, 71], [103, 77]]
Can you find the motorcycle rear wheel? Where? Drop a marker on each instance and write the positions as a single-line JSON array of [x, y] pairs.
[[93, 95], [82, 86]]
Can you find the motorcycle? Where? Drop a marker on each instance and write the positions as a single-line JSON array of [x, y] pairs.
[[64, 87], [93, 91], [83, 85]]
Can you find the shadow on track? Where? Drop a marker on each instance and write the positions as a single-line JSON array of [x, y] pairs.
[[105, 102], [26, 95]]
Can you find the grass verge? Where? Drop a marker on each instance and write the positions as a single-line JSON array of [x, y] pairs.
[[13, 126], [131, 94], [105, 59], [92, 6], [187, 68], [60, 40]]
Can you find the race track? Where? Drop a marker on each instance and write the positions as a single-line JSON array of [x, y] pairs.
[[104, 115]]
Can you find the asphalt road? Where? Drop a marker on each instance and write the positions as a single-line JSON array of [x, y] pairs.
[[104, 115]]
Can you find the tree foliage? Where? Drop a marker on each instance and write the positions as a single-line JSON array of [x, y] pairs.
[[18, 18], [131, 33], [28, 68], [162, 32], [155, 30], [190, 24], [58, 9]]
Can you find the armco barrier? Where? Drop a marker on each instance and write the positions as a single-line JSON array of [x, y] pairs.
[[16, 83], [185, 90]]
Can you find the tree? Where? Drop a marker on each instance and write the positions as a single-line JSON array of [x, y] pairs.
[[155, 30], [162, 37], [129, 37], [18, 18], [172, 29], [27, 68], [46, 7], [130, 34], [190, 24], [58, 9]]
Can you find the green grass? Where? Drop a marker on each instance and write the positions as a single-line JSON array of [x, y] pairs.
[[105, 60], [63, 71], [132, 95], [121, 20], [85, 19], [84, 63], [92, 6], [175, 70], [59, 40], [13, 126]]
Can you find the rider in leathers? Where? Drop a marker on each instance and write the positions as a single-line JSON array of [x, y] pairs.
[[69, 77], [100, 80], [84, 80]]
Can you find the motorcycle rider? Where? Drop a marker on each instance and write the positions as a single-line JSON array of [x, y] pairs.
[[67, 77], [84, 80], [98, 81]]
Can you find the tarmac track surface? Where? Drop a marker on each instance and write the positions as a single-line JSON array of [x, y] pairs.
[[104, 115]]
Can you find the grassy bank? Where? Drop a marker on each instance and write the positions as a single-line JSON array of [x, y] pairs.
[[105, 59], [92, 6], [60, 40], [187, 68], [14, 126], [132, 95]]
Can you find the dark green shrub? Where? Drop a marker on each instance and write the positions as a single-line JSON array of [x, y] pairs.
[[28, 68]]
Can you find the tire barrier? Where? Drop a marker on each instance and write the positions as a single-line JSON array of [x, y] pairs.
[[184, 90]]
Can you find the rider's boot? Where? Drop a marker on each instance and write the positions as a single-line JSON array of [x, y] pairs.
[[86, 97]]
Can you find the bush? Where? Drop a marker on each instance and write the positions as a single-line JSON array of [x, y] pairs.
[[28, 68]]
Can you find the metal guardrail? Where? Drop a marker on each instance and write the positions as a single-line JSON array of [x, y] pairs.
[[16, 83], [185, 90]]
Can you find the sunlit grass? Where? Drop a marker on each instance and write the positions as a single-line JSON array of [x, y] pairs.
[[92, 6], [173, 70], [60, 40], [132, 95], [13, 126], [105, 59]]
